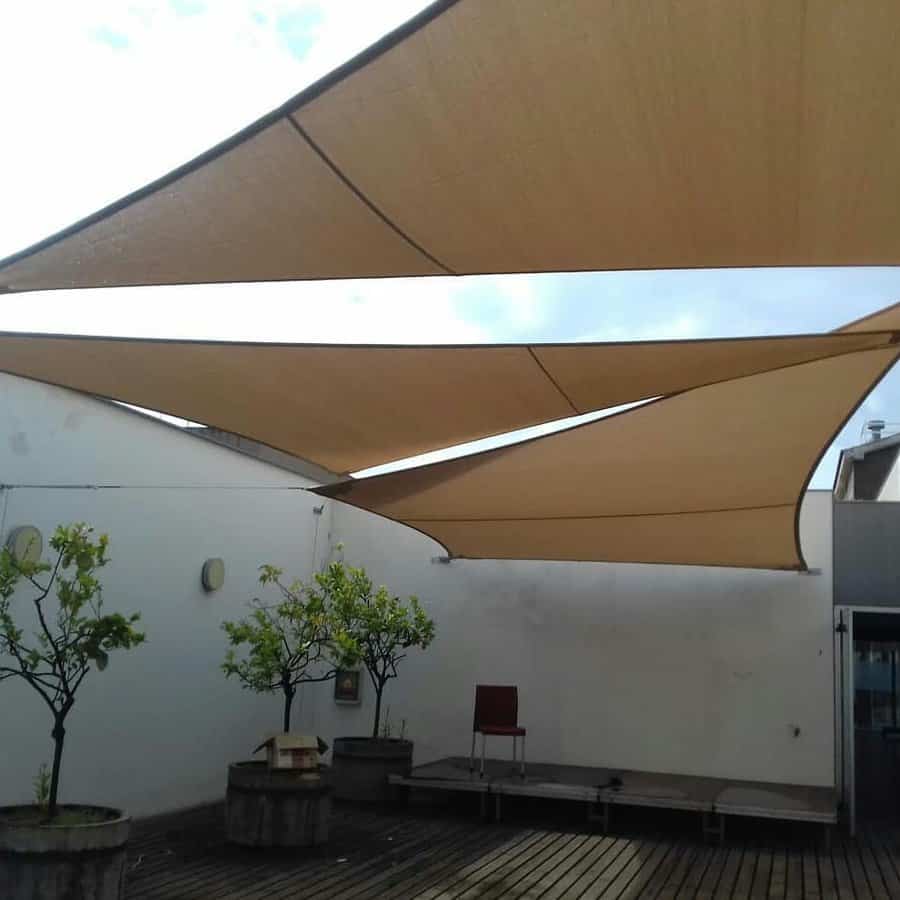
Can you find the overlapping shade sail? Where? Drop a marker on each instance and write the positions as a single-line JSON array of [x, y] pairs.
[[351, 407], [711, 473], [522, 135], [712, 476]]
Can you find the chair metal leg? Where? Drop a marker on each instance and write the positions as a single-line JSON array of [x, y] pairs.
[[523, 757], [472, 754], [483, 742]]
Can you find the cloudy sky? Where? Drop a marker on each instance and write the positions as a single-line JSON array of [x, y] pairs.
[[101, 96]]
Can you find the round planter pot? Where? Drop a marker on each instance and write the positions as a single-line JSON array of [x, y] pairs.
[[361, 767], [276, 807], [50, 861]]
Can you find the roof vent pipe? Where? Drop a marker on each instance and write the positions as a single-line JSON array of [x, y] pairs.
[[875, 426]]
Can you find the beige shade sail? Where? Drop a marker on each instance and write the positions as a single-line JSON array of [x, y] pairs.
[[712, 476], [347, 408], [522, 136]]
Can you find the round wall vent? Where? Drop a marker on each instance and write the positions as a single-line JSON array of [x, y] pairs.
[[213, 574], [25, 543]]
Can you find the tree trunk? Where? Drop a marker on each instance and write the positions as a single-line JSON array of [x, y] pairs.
[[59, 736], [379, 689], [288, 700]]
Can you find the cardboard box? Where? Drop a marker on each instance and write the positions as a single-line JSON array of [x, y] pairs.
[[291, 751]]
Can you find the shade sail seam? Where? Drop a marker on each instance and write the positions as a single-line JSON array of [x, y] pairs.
[[646, 515], [633, 407], [552, 380], [838, 335], [294, 104], [358, 193], [618, 562]]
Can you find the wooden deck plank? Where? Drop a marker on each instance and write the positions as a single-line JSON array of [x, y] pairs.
[[460, 879], [479, 843], [777, 888], [594, 850], [356, 869], [221, 862], [843, 881], [708, 884], [516, 884], [617, 876], [812, 890], [679, 873], [246, 874], [762, 873], [870, 864], [663, 871], [539, 880], [886, 839], [724, 890], [378, 875], [493, 879], [793, 875], [595, 870], [646, 863], [882, 860], [697, 871], [858, 875], [827, 877], [744, 881], [600, 885]]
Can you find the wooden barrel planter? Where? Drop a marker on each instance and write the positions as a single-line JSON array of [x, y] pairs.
[[276, 807], [361, 767], [80, 861]]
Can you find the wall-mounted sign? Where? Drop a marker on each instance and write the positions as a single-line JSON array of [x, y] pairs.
[[346, 686]]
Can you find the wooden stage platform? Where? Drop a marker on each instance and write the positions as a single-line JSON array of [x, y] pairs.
[[603, 789]]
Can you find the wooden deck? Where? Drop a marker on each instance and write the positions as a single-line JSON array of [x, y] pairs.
[[431, 854]]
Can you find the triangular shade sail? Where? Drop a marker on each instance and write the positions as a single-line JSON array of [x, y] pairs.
[[351, 407], [522, 135], [713, 476]]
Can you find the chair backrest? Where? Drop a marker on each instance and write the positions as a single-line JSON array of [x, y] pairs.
[[496, 704]]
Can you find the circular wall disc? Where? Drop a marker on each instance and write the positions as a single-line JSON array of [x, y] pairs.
[[25, 543], [213, 574]]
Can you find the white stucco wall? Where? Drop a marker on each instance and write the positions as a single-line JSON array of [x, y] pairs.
[[661, 668], [156, 730], [890, 490]]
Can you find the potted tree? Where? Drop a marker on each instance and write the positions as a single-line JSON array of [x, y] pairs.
[[275, 649], [52, 849], [381, 628]]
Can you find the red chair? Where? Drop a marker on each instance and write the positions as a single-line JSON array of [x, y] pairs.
[[497, 712]]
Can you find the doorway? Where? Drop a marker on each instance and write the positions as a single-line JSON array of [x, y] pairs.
[[876, 714]]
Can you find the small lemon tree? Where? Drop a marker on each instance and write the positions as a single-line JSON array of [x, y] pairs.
[[70, 632], [380, 628], [280, 646]]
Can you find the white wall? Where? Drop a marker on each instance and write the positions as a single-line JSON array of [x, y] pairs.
[[890, 490], [156, 730], [652, 667], [662, 668]]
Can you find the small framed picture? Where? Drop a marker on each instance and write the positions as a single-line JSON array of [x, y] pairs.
[[346, 686]]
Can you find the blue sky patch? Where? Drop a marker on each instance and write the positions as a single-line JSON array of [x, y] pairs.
[[298, 29], [111, 38], [188, 7]]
